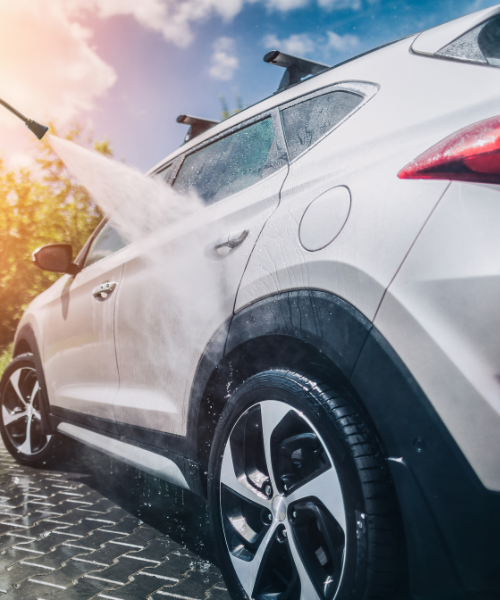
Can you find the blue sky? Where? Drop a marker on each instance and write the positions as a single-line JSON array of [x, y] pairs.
[[137, 65]]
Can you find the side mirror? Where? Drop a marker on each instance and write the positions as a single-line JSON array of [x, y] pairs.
[[55, 257]]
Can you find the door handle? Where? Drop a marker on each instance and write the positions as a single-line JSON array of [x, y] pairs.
[[103, 292], [226, 244]]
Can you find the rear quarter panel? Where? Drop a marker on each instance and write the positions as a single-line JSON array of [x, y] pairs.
[[420, 101]]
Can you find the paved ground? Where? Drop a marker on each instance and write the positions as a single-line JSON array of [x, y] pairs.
[[99, 529]]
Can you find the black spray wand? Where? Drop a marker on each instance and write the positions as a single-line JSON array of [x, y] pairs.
[[36, 128]]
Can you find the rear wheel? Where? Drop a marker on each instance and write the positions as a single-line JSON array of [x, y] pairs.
[[21, 416], [300, 499]]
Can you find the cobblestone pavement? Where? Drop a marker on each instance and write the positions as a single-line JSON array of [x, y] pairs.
[[62, 539]]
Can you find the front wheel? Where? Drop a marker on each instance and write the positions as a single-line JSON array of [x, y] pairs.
[[21, 425], [300, 499]]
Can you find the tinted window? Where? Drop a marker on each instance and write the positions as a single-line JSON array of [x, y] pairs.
[[105, 243], [306, 122], [232, 163], [479, 45], [489, 41]]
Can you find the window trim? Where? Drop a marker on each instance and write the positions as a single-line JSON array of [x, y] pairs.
[[82, 255], [365, 89], [160, 170], [279, 136], [102, 225]]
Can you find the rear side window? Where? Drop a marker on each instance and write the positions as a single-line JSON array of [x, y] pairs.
[[479, 45], [306, 122], [232, 163], [106, 242]]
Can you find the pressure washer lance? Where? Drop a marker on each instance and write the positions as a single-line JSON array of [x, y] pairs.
[[36, 128]]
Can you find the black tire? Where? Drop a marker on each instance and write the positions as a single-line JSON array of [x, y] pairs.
[[21, 413], [358, 553]]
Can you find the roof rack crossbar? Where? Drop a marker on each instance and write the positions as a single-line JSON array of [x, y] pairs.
[[297, 68], [197, 125]]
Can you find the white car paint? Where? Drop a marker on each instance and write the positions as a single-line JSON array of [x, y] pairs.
[[78, 340], [386, 217], [420, 100], [441, 315]]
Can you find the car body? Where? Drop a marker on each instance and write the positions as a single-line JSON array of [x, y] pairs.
[[328, 262]]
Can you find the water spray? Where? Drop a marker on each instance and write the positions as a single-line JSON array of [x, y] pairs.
[[36, 128]]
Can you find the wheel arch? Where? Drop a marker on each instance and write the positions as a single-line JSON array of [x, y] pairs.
[[26, 342], [22, 346], [306, 330], [317, 333], [251, 357]]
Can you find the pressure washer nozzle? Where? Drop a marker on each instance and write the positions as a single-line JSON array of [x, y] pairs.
[[36, 128]]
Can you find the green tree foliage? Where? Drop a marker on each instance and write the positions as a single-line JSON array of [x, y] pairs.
[[5, 358], [225, 112], [39, 206]]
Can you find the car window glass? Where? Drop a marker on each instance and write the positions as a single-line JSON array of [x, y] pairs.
[[479, 45], [306, 122], [107, 241], [232, 163], [489, 41]]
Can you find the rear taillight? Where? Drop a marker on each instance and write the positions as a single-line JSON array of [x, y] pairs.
[[470, 154]]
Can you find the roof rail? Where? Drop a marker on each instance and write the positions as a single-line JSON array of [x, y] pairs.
[[297, 68], [197, 125]]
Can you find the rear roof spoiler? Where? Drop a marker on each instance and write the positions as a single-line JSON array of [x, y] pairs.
[[431, 41], [297, 68]]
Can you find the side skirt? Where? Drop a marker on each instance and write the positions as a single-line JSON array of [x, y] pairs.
[[155, 464]]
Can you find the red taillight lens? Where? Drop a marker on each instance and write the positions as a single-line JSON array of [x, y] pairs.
[[470, 154]]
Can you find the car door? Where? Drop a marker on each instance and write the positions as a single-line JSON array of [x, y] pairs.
[[80, 362], [179, 285]]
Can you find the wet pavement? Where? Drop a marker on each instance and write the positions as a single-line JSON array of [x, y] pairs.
[[92, 528]]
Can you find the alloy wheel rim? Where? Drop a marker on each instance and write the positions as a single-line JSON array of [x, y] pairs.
[[21, 415], [282, 508]]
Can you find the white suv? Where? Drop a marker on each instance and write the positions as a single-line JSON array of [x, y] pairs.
[[317, 351]]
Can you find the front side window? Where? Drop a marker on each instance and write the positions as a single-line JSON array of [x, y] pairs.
[[105, 243], [232, 163], [304, 123]]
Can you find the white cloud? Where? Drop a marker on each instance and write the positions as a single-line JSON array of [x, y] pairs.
[[299, 44], [342, 43], [224, 62], [50, 69], [173, 19], [47, 65], [285, 5], [170, 18], [340, 4]]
